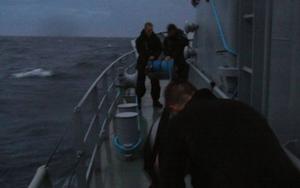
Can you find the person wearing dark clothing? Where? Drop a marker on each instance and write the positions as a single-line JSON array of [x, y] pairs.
[[149, 48], [151, 148], [225, 142], [174, 45]]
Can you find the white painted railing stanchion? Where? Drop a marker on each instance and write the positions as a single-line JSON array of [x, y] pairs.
[[80, 170]]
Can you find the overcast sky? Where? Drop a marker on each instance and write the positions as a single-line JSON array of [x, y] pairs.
[[89, 17]]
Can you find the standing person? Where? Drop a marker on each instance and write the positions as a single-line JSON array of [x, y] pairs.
[[225, 142], [174, 45], [149, 48]]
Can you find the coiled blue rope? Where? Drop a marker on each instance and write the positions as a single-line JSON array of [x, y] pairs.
[[123, 149]]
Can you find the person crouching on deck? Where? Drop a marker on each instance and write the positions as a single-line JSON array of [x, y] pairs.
[[149, 48], [225, 143]]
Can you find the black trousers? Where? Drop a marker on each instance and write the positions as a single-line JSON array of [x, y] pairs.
[[181, 72], [141, 88]]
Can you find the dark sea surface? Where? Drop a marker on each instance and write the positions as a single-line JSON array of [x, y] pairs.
[[41, 80]]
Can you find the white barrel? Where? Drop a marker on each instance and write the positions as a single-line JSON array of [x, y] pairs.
[[130, 98], [127, 107], [126, 127]]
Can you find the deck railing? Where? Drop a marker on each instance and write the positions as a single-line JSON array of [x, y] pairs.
[[199, 78], [91, 118]]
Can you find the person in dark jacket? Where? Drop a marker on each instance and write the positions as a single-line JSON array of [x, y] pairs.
[[152, 145], [149, 48], [174, 45], [225, 142]]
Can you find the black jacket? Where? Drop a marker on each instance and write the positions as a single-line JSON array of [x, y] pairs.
[[174, 46], [146, 47], [150, 152], [227, 144]]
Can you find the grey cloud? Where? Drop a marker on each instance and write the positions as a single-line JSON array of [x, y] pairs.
[[89, 18]]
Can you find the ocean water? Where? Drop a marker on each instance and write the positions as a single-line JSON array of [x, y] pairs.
[[41, 79]]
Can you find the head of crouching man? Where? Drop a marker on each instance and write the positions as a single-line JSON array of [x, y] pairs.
[[177, 95]]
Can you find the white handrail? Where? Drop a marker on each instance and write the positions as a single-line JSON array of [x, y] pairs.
[[85, 96], [83, 172], [41, 179], [216, 89]]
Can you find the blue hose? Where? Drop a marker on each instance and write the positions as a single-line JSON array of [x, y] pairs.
[[123, 149], [220, 29]]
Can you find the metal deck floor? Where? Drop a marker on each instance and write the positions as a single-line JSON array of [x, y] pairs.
[[117, 172]]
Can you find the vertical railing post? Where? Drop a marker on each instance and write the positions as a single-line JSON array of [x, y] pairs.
[[105, 88], [115, 71], [105, 83], [96, 101], [80, 149], [95, 105]]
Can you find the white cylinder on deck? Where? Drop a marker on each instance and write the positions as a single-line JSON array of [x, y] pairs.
[[127, 107], [129, 99], [126, 127]]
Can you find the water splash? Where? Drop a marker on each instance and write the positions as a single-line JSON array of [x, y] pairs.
[[39, 72]]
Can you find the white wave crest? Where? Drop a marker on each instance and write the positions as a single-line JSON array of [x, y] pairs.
[[34, 73]]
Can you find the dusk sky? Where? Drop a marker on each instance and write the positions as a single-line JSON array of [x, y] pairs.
[[89, 17]]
